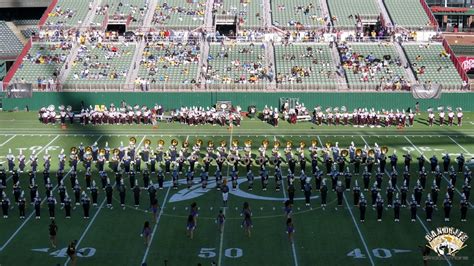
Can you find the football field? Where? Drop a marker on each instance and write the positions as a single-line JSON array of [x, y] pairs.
[[332, 235]]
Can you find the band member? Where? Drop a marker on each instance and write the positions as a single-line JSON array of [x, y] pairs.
[[190, 226], [413, 208], [250, 178], [37, 204], [290, 229], [247, 221], [108, 194], [161, 178], [446, 162], [396, 209], [379, 205], [5, 205], [51, 207], [204, 178], [288, 209], [450, 117], [422, 177], [459, 116], [77, 193], [429, 207], [447, 205], [21, 161], [324, 193], [466, 188], [339, 192], [225, 192], [136, 194], [33, 190], [356, 193], [433, 163], [441, 116], [86, 204], [94, 193], [122, 191], [67, 206], [220, 220], [460, 160], [278, 178], [151, 193], [307, 191], [464, 205], [366, 179], [11, 161], [362, 208]]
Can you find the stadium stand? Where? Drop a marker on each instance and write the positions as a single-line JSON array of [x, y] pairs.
[[28, 32], [249, 13], [236, 63], [431, 64], [178, 14], [26, 22], [407, 13], [132, 10], [100, 64], [463, 49], [42, 63], [10, 45], [373, 66], [173, 63], [345, 15], [308, 65], [297, 14], [68, 13]]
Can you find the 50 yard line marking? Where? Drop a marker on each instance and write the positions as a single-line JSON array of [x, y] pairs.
[[33, 212], [96, 214], [354, 220]]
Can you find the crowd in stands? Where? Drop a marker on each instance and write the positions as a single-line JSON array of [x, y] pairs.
[[180, 13]]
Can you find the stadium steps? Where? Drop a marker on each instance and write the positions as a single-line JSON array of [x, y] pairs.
[[149, 13], [204, 47], [267, 14], [336, 58], [385, 14], [135, 64], [90, 15], [64, 72], [208, 15], [17, 32], [325, 9], [270, 58], [405, 62]]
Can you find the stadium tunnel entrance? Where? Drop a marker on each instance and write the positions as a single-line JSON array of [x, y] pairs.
[[119, 28]]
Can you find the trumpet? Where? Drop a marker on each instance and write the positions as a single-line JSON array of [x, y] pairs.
[[147, 142], [384, 149], [133, 140], [344, 153]]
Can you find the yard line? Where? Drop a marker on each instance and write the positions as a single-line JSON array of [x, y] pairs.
[[358, 230], [293, 249], [33, 212], [88, 227], [96, 214], [8, 140], [156, 226], [221, 242], [444, 177], [466, 151]]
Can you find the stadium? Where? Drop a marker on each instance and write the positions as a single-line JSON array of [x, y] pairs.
[[236, 132]]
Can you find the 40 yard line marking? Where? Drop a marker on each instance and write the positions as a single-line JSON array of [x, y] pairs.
[[354, 220], [33, 212], [145, 256], [96, 213]]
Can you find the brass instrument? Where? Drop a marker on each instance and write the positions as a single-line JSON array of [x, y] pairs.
[[235, 143], [133, 140], [248, 143], [210, 144], [116, 152], [260, 160], [276, 144], [232, 158], [185, 144], [199, 142], [289, 144], [302, 144], [384, 149], [74, 150], [194, 157], [88, 149], [314, 142], [344, 153], [328, 144], [223, 143], [147, 142], [358, 152], [265, 143], [371, 153], [161, 142], [102, 152], [246, 160], [174, 142]]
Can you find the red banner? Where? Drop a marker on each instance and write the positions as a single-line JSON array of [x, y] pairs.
[[467, 62]]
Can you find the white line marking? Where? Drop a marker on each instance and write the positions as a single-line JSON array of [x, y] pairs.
[[8, 140], [466, 151], [293, 249], [88, 227], [33, 212], [156, 226], [358, 230], [221, 242], [426, 230], [444, 177]]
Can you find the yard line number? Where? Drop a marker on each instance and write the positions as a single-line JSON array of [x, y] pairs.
[[381, 253], [83, 252], [233, 253]]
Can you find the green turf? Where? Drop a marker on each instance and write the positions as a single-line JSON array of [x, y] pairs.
[[323, 236]]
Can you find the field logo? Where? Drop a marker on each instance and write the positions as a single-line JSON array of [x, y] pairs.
[[446, 241]]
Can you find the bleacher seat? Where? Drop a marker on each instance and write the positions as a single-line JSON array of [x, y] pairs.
[[249, 13], [407, 13], [344, 12], [136, 9], [10, 46], [296, 14], [69, 13], [175, 14]]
